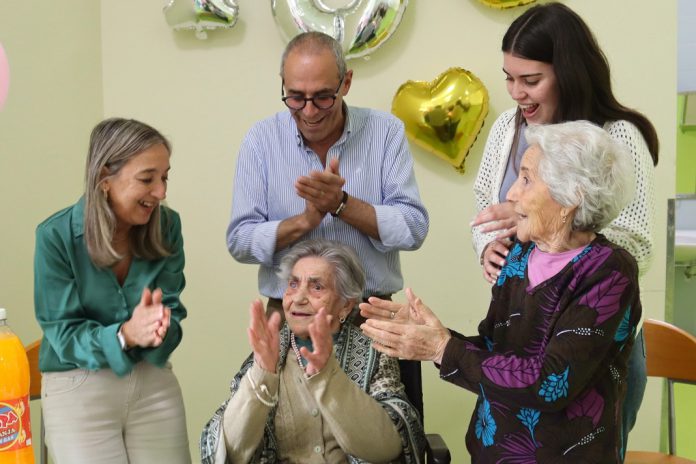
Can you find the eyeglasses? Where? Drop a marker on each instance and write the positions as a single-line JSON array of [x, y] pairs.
[[321, 101]]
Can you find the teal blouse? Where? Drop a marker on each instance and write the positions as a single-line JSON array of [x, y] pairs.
[[80, 307]]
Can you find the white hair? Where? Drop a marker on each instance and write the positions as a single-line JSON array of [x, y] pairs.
[[349, 276], [584, 168]]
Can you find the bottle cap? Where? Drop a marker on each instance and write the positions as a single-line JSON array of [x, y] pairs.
[[3, 314]]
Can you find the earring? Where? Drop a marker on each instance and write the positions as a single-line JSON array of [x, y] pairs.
[[106, 194], [342, 319], [563, 218]]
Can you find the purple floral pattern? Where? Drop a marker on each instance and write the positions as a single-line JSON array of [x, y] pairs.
[[605, 297], [511, 371], [590, 404], [550, 361]]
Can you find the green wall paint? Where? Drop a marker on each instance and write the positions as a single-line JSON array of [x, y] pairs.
[[686, 153], [685, 395]]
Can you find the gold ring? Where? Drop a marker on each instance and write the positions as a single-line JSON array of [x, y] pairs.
[[392, 314]]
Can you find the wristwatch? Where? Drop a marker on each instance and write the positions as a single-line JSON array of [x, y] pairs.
[[121, 339], [342, 206]]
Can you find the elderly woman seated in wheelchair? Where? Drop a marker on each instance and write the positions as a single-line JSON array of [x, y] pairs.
[[315, 387]]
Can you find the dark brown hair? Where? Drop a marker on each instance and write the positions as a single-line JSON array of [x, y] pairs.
[[553, 33]]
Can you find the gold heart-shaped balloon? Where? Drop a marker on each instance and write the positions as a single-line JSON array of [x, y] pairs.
[[501, 4], [443, 116]]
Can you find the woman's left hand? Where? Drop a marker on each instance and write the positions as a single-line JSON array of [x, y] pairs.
[[384, 310], [165, 320], [322, 343], [149, 322], [419, 337]]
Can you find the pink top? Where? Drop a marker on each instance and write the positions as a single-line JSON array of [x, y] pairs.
[[543, 266]]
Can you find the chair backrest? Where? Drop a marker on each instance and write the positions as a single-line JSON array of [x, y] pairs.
[[32, 350], [670, 353]]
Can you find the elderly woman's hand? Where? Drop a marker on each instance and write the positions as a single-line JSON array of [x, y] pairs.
[[494, 259], [420, 336], [149, 322], [384, 310], [264, 336], [322, 343]]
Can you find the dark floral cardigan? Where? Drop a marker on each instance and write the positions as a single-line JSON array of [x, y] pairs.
[[549, 363]]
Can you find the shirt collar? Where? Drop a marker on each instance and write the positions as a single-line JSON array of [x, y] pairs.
[[78, 217], [349, 126]]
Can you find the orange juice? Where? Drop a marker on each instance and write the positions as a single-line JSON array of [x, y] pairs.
[[15, 429]]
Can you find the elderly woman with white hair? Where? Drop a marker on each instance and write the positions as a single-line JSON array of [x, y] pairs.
[[315, 391], [549, 362]]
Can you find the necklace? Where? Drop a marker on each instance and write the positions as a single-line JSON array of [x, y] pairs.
[[296, 350]]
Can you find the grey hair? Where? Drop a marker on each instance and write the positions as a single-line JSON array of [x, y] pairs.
[[349, 275], [584, 168], [315, 42], [112, 144]]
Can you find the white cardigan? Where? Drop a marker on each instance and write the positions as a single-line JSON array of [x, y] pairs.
[[632, 229]]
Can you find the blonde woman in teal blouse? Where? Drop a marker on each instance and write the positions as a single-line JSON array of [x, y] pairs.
[[108, 273]]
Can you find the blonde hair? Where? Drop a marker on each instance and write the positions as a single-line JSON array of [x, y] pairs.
[[112, 144]]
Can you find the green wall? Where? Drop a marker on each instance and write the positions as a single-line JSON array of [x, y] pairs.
[[686, 183], [686, 154]]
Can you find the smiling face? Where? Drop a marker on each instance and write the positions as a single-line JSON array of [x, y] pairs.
[[539, 215], [532, 84], [138, 188], [308, 73], [310, 288]]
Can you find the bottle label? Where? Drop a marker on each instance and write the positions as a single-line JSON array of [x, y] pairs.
[[15, 428]]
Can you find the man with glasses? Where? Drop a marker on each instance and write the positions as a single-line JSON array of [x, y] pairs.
[[324, 169]]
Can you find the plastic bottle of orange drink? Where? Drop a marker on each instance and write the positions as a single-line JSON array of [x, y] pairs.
[[15, 430]]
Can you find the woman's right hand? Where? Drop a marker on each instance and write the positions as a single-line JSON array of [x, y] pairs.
[[148, 325], [420, 337], [500, 218], [264, 336], [493, 259]]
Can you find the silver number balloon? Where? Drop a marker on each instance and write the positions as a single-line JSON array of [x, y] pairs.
[[201, 15], [361, 26]]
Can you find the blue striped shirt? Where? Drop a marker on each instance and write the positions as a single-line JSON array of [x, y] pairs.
[[376, 164]]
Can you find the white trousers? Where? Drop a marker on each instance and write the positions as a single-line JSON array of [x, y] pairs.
[[96, 417]]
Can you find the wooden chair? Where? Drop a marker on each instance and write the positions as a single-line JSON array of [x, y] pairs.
[[670, 353], [32, 350]]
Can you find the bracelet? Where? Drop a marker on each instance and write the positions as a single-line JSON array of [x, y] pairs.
[[121, 339], [273, 398], [342, 206]]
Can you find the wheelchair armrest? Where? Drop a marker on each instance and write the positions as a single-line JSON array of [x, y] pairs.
[[437, 451]]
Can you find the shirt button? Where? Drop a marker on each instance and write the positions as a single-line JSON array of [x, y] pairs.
[[317, 449], [315, 412]]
